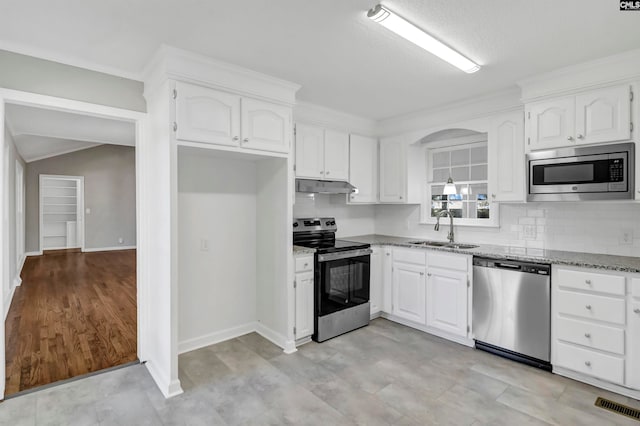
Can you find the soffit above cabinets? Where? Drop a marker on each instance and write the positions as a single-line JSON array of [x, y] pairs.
[[342, 59]]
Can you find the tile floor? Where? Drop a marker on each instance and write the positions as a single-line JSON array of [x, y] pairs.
[[382, 374]]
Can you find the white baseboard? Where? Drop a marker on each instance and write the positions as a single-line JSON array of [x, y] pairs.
[[33, 253], [21, 264], [7, 302], [17, 281], [168, 388], [91, 250], [612, 387], [277, 339], [216, 337]]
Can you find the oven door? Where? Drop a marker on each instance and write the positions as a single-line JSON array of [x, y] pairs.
[[342, 280]]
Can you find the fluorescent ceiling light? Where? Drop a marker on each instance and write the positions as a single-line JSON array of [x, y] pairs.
[[406, 29]]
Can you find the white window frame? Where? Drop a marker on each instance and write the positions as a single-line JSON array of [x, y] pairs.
[[426, 219]]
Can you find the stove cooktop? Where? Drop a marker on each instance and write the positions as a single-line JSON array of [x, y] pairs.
[[329, 246]]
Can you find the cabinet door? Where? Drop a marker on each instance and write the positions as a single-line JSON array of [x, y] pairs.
[[447, 301], [205, 115], [603, 115], [304, 304], [551, 124], [392, 172], [309, 151], [363, 169], [387, 279], [409, 292], [375, 291], [336, 155], [507, 169], [633, 336], [265, 126]]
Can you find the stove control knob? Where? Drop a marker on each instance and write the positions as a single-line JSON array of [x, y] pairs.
[[328, 223], [295, 224], [333, 222]]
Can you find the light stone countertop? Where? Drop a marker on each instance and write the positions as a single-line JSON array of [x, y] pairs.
[[300, 251], [558, 257]]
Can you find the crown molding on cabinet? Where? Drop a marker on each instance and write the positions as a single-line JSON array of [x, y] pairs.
[[177, 64], [306, 112], [456, 112], [620, 68]]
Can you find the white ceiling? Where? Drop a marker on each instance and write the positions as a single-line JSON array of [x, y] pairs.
[[342, 59], [41, 133]]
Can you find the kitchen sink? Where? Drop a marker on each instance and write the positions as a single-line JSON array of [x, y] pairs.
[[459, 246]]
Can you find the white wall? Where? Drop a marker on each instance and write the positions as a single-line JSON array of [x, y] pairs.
[[351, 219], [11, 266], [584, 227], [217, 285]]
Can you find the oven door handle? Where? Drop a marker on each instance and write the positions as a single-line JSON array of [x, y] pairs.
[[326, 257]]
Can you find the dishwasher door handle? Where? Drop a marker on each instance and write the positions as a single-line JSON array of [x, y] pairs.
[[509, 266]]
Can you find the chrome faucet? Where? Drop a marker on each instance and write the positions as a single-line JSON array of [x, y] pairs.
[[443, 213]]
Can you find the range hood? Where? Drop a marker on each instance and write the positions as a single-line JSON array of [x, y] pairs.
[[324, 186]]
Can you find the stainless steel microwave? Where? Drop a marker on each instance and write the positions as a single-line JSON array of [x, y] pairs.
[[604, 172]]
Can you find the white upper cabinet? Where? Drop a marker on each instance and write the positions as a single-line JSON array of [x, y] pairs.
[[392, 172], [336, 155], [402, 171], [221, 118], [309, 151], [596, 116], [363, 169], [603, 115], [507, 171], [321, 153], [206, 115], [266, 126], [551, 123]]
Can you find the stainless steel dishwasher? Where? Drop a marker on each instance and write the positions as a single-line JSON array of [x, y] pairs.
[[512, 309]]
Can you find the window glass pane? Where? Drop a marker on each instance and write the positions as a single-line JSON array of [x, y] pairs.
[[478, 191], [483, 209], [457, 208], [479, 172], [441, 159], [460, 174], [463, 189], [441, 175], [479, 155], [460, 157]]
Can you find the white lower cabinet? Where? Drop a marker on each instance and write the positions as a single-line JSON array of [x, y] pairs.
[[409, 292], [375, 287], [595, 330], [447, 300], [304, 279]]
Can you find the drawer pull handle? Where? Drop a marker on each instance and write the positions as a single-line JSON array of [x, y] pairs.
[[637, 310], [306, 264], [587, 363], [588, 282], [587, 335], [588, 307]]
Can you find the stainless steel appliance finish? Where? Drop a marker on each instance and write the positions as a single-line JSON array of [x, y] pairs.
[[604, 172], [512, 309], [324, 186], [342, 274]]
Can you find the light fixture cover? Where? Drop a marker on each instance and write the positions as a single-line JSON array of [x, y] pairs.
[[449, 188], [407, 30]]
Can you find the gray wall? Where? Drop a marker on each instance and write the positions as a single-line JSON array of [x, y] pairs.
[[30, 74], [10, 266], [109, 191]]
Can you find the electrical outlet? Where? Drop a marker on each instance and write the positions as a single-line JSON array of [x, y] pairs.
[[529, 232], [120, 240], [626, 236], [88, 210], [204, 244]]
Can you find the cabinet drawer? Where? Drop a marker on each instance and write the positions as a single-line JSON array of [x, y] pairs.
[[456, 262], [635, 287], [304, 263], [415, 256], [585, 333], [605, 367], [601, 308], [587, 280]]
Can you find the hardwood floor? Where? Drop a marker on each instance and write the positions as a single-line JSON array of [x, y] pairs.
[[75, 313]]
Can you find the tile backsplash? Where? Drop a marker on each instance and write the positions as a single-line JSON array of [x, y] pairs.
[[351, 219]]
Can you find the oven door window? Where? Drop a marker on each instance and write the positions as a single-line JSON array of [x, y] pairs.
[[343, 283]]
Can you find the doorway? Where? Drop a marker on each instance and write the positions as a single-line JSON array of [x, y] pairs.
[[121, 265]]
